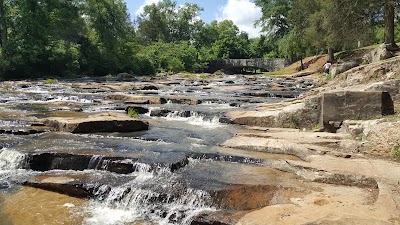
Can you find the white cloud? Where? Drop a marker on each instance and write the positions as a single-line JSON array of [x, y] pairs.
[[146, 2], [243, 13]]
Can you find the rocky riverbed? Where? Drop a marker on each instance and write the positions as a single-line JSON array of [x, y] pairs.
[[187, 149]]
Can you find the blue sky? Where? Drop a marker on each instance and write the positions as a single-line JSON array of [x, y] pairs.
[[242, 12]]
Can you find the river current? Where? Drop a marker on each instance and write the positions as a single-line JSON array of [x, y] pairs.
[[150, 194]]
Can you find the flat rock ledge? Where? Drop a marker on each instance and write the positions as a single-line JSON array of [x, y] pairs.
[[96, 123]]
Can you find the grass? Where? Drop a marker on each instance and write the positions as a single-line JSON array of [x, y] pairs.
[[284, 71], [396, 151], [203, 76], [133, 113], [50, 81]]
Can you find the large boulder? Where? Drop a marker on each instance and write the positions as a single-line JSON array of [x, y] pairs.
[[340, 106], [343, 67], [378, 54], [97, 123], [390, 86], [304, 114], [379, 137]]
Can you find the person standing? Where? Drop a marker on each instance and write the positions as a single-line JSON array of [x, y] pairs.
[[327, 67]]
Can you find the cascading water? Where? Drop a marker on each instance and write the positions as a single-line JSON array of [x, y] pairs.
[[152, 194], [159, 197], [11, 160], [11, 164]]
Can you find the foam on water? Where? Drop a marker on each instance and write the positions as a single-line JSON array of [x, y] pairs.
[[196, 119], [11, 160], [11, 164], [156, 197]]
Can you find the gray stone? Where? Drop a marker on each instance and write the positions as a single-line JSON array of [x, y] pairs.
[[340, 106], [391, 86], [378, 54], [343, 67]]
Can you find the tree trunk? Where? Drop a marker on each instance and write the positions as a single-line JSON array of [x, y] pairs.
[[389, 25], [3, 29], [301, 63], [331, 56]]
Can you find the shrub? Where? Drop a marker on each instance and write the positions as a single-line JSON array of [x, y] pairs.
[[396, 151], [133, 113]]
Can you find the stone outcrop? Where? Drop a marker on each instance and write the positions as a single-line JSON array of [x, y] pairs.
[[339, 106], [379, 137], [300, 115], [378, 54], [97, 123], [327, 110], [132, 98], [137, 109], [390, 86], [337, 69]]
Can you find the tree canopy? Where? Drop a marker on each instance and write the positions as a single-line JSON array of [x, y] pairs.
[[64, 38]]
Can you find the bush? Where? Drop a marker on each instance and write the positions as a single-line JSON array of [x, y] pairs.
[[132, 113], [396, 151]]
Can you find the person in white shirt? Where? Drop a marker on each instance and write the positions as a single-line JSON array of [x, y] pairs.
[[327, 67]]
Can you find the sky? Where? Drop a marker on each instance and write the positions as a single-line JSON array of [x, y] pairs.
[[242, 12]]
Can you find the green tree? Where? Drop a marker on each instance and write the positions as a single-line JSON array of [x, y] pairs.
[[166, 22], [274, 16]]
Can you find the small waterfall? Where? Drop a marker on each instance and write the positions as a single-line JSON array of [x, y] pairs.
[[95, 162], [12, 160], [11, 163], [195, 118], [160, 198]]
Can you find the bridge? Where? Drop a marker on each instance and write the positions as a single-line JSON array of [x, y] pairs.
[[234, 64]]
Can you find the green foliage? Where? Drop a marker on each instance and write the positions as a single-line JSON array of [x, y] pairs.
[[49, 81], [166, 22], [133, 113], [175, 65], [396, 151], [203, 76]]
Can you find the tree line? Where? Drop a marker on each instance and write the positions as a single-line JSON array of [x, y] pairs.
[[63, 38]]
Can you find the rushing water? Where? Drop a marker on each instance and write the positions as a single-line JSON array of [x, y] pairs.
[[150, 195]]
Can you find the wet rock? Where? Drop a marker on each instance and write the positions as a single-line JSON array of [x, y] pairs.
[[234, 104], [245, 197], [159, 112], [184, 100], [63, 185], [97, 123], [275, 94], [339, 106], [225, 120], [21, 132], [133, 98], [64, 161], [225, 158], [137, 109], [149, 87], [138, 102]]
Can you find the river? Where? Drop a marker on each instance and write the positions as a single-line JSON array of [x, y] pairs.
[[150, 194]]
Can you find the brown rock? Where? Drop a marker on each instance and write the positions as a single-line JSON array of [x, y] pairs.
[[133, 98], [97, 123]]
